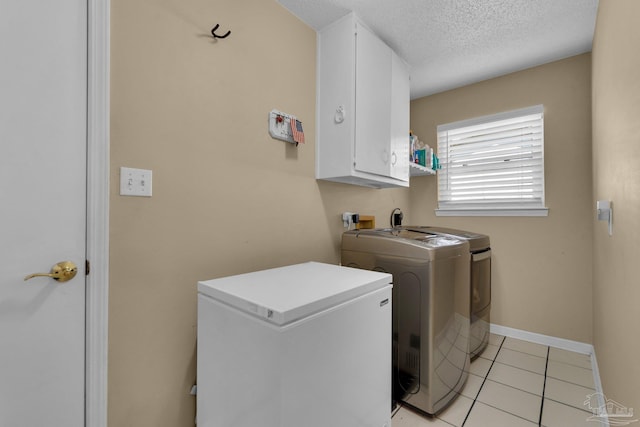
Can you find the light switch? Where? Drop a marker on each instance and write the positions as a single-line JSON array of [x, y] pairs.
[[135, 182]]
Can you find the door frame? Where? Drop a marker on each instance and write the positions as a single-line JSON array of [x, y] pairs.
[[98, 170]]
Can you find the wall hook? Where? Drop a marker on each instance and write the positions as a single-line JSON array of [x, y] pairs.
[[216, 36]]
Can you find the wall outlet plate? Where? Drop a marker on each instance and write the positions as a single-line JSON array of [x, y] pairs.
[[135, 182]]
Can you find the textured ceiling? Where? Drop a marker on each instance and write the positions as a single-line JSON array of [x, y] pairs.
[[452, 43]]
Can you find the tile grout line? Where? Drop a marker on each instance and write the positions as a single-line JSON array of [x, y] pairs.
[[526, 352], [570, 364], [568, 405], [483, 381], [510, 413], [521, 368], [573, 383], [515, 388], [544, 384]]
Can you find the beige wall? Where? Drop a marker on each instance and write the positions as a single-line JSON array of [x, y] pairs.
[[616, 154], [226, 197], [229, 199], [541, 265]]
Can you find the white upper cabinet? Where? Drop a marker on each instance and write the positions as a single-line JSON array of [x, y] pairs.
[[363, 108], [400, 101]]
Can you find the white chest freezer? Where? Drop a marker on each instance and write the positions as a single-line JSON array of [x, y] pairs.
[[304, 345]]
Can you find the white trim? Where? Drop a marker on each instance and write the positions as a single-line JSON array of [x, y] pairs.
[[97, 283], [493, 212], [459, 194], [596, 378], [577, 346]]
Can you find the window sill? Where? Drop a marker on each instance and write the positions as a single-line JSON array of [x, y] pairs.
[[493, 212]]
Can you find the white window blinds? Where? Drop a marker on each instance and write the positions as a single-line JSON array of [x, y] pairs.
[[492, 162]]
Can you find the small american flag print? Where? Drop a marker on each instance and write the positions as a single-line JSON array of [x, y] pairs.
[[296, 130]]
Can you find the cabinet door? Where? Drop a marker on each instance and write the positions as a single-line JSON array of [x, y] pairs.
[[373, 104], [336, 92], [400, 99]]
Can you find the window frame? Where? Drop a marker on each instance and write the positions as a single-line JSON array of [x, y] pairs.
[[517, 208]]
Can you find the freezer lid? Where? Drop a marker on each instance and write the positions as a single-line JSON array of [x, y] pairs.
[[286, 294]]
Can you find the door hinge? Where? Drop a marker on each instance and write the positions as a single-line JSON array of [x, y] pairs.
[[87, 267]]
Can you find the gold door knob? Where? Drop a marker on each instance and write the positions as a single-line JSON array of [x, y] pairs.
[[62, 272]]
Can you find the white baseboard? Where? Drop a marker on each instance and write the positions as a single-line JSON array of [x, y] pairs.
[[596, 379], [576, 346]]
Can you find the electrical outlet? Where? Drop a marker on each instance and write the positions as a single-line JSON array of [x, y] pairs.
[[135, 182], [349, 218]]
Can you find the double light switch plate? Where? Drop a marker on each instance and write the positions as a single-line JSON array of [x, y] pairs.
[[135, 182]]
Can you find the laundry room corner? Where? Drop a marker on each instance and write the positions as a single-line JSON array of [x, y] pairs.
[[538, 263]]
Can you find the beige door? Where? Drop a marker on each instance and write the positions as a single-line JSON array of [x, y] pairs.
[[43, 98]]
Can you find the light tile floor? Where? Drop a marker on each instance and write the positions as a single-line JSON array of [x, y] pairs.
[[517, 383]]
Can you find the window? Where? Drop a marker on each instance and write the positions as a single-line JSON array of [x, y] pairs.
[[493, 165]]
